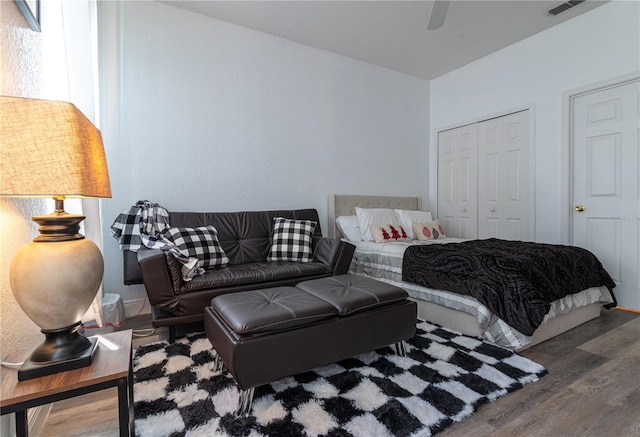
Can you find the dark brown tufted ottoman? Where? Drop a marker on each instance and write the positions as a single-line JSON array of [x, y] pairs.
[[265, 335]]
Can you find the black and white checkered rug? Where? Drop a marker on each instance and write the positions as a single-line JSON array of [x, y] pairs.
[[444, 378]]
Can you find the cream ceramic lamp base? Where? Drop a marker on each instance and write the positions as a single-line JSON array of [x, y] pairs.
[[54, 280]]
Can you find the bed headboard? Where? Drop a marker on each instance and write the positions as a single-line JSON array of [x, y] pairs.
[[345, 204]]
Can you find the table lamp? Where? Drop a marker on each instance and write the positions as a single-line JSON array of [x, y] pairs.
[[50, 149]]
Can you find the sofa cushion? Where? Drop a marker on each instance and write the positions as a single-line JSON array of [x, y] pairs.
[[246, 236], [271, 309], [292, 240], [201, 243], [246, 274]]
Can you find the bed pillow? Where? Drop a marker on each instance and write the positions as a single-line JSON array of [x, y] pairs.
[[408, 217], [388, 233], [292, 240], [431, 230], [349, 227], [374, 216], [201, 242]]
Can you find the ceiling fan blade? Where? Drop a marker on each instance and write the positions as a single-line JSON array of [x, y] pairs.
[[438, 14]]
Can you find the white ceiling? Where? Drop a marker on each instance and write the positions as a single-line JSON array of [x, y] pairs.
[[394, 34]]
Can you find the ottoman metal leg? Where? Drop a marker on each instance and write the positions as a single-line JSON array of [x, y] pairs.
[[401, 348], [218, 365], [245, 401]]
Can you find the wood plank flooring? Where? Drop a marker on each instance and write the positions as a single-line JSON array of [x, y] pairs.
[[592, 389]]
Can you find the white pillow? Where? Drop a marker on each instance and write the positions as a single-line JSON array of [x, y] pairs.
[[408, 217], [349, 227], [374, 216]]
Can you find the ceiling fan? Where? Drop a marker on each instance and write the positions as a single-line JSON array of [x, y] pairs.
[[438, 14]]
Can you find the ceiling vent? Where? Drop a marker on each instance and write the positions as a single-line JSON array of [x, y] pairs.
[[564, 6]]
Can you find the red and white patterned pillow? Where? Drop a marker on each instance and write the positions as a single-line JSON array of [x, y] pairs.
[[387, 233], [431, 230]]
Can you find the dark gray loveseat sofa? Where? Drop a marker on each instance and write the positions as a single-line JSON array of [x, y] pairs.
[[246, 239]]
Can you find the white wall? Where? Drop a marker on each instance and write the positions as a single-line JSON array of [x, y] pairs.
[[33, 65], [597, 46], [22, 68], [28, 69], [204, 115]]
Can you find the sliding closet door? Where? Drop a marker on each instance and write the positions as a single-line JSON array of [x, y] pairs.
[[484, 187], [457, 178], [504, 177]]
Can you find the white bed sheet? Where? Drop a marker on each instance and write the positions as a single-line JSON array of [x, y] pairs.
[[383, 261]]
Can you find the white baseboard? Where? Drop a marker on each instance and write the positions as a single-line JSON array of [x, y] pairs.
[[36, 417], [135, 307], [8, 425]]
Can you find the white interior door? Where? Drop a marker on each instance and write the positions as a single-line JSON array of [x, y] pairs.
[[457, 181], [504, 177], [606, 185]]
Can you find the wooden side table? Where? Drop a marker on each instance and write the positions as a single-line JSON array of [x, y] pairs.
[[111, 367]]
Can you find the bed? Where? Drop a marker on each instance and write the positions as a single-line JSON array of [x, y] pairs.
[[462, 313]]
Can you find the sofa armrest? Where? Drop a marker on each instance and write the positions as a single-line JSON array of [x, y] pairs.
[[156, 276], [130, 270], [335, 253]]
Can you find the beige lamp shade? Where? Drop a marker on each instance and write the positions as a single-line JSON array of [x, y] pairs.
[[50, 149]]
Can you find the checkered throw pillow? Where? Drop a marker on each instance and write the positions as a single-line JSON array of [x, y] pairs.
[[292, 240], [201, 243]]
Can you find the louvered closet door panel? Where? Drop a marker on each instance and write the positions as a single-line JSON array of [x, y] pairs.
[[504, 177], [457, 177]]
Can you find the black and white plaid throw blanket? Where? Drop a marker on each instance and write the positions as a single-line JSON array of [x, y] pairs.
[[142, 225]]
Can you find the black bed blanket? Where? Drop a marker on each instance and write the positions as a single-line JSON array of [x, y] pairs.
[[516, 280]]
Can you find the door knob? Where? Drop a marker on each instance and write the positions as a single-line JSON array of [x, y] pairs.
[[580, 208], [492, 210]]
